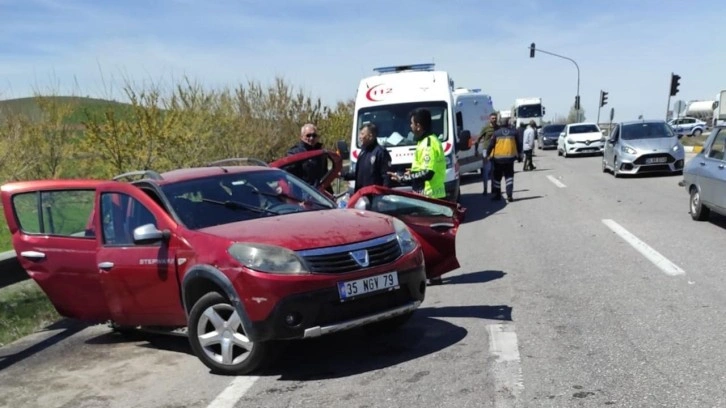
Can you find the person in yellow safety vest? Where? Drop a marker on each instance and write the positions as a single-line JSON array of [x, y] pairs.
[[504, 148], [428, 169]]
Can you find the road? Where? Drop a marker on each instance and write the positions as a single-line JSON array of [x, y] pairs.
[[586, 291]]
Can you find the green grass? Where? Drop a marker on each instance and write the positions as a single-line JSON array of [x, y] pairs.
[[24, 309], [694, 141]]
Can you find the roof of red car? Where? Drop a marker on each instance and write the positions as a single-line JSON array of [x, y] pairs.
[[175, 176]]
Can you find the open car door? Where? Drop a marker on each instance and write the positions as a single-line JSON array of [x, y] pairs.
[[434, 222], [54, 232], [318, 168]]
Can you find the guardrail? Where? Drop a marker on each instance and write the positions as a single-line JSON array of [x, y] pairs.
[[10, 270]]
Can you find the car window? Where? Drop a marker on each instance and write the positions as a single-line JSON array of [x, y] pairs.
[[64, 213], [575, 129], [397, 205], [120, 216], [718, 146], [616, 133], [646, 130]]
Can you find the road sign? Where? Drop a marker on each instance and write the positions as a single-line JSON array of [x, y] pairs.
[[678, 107], [612, 114]]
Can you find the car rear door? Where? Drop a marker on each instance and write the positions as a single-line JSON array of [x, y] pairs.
[[712, 176], [140, 278], [433, 222], [297, 163], [54, 232]]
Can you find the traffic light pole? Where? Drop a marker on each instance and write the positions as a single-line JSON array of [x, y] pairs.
[[578, 74]]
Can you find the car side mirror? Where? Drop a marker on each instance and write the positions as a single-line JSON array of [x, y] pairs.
[[562, 134], [612, 141], [342, 149], [464, 140], [149, 234]]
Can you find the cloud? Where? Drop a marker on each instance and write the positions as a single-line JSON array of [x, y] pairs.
[[326, 46]]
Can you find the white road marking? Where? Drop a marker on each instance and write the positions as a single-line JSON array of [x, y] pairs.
[[668, 267], [507, 370], [234, 392], [556, 182]]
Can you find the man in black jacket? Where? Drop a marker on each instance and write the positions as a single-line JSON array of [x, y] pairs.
[[312, 170], [373, 162]]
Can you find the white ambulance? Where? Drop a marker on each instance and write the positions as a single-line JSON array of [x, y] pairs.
[[472, 113], [389, 98]]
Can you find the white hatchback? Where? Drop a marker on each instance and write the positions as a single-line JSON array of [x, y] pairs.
[[580, 138]]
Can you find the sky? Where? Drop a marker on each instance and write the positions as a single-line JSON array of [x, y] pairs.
[[629, 48]]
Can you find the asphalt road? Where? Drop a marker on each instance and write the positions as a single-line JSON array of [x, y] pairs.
[[586, 291]]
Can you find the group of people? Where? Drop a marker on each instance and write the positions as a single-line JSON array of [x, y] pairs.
[[426, 175], [501, 144]]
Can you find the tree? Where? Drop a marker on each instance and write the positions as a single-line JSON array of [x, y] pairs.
[[572, 116]]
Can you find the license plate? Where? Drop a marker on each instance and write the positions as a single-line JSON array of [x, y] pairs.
[[371, 284], [656, 160]]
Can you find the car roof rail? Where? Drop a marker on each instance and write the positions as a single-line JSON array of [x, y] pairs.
[[150, 174], [238, 161]]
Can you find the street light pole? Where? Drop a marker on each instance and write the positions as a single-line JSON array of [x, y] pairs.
[[577, 97]]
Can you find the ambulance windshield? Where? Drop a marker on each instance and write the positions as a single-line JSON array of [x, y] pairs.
[[394, 123]]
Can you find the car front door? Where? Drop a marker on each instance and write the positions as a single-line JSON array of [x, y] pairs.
[[139, 277], [297, 163], [55, 237], [561, 140], [433, 222], [712, 177], [611, 146]]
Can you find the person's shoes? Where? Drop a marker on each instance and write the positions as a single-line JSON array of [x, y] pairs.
[[496, 197], [510, 198], [436, 281], [533, 168], [484, 192]]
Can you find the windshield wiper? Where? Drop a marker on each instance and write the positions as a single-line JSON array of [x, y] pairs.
[[296, 199], [234, 205]]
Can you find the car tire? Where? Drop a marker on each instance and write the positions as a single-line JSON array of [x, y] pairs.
[[559, 152], [697, 132], [388, 325], [252, 355], [699, 212], [564, 153]]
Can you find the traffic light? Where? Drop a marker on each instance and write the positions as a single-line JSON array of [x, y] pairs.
[[577, 102], [531, 50], [675, 83], [603, 98]]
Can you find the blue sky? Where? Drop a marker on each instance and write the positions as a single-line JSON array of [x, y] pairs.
[[628, 48]]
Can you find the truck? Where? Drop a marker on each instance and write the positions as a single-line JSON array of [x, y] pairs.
[[719, 109], [388, 98], [526, 109], [472, 109]]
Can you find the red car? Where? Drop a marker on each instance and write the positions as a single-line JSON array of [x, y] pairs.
[[239, 255]]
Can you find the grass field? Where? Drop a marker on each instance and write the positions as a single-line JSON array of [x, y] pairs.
[[24, 309]]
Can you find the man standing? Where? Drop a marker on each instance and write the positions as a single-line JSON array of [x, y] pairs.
[[483, 142], [312, 170], [528, 145], [373, 162], [503, 149], [428, 169]]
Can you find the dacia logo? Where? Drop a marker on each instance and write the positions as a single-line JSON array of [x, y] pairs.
[[361, 257]]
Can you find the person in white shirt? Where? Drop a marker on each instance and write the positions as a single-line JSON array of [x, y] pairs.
[[528, 145]]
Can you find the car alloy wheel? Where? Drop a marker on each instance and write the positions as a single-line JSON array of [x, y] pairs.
[[699, 212], [218, 339], [697, 132]]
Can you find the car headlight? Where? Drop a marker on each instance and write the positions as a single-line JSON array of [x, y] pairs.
[[267, 258], [406, 240], [570, 141], [629, 150], [676, 147]]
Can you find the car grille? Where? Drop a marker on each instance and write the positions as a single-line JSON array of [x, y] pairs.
[[654, 168], [642, 159], [340, 260]]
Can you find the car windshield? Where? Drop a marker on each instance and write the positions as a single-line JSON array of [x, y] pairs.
[[575, 129], [529, 111], [646, 130], [394, 123], [553, 129], [228, 198]]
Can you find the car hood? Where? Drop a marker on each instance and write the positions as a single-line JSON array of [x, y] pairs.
[[551, 135], [308, 230], [662, 144], [582, 137]]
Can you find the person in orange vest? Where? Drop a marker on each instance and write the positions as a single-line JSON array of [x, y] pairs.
[[504, 148]]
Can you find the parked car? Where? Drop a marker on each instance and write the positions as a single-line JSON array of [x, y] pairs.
[[705, 177], [580, 138], [549, 134], [643, 146], [688, 126], [239, 255]]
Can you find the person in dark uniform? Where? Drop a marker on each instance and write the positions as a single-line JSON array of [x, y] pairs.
[[373, 162], [311, 171]]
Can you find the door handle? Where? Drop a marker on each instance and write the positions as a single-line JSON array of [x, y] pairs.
[[703, 163], [105, 265], [32, 255], [720, 166], [442, 226]]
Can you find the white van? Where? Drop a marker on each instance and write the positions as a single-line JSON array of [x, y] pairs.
[[389, 98], [472, 114]]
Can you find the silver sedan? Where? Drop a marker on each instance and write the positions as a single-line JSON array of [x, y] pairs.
[[705, 177], [644, 146]]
